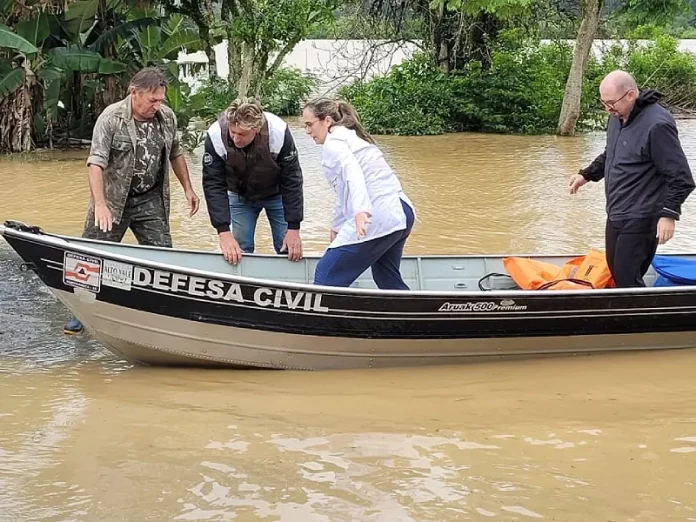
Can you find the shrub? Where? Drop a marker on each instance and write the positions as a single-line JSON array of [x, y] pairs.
[[284, 92], [212, 98], [414, 99], [521, 92]]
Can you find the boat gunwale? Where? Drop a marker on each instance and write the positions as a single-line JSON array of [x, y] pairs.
[[60, 241]]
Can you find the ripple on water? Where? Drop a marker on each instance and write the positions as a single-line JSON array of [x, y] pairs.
[[76, 441], [31, 327]]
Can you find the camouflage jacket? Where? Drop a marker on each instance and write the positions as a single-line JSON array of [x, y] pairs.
[[113, 148]]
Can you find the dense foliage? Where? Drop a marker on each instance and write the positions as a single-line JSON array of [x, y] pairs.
[[520, 92]]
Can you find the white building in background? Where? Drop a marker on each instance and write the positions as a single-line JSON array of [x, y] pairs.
[[339, 62], [332, 62]]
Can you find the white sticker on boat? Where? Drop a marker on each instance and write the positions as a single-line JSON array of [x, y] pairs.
[[117, 275], [82, 271], [506, 305]]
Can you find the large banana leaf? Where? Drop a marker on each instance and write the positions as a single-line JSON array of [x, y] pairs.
[[143, 12], [149, 40], [49, 74], [174, 24], [188, 40], [82, 9], [50, 78], [83, 60], [80, 17], [75, 59], [11, 40], [6, 5], [177, 97], [35, 30], [10, 80], [120, 31], [111, 67]]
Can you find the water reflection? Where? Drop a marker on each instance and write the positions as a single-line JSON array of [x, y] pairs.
[[574, 439]]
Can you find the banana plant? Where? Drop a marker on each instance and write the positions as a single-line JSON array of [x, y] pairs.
[[159, 44], [15, 48], [17, 81], [74, 54], [40, 55]]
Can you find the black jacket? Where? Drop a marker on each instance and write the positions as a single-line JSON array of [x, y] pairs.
[[645, 171], [215, 175]]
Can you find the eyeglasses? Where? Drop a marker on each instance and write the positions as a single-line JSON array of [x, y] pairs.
[[611, 104], [309, 124]]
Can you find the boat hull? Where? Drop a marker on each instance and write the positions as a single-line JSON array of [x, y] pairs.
[[154, 339], [169, 314]]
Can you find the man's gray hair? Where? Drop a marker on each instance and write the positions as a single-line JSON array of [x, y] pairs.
[[149, 79]]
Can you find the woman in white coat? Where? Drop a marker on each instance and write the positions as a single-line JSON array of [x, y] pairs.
[[373, 217]]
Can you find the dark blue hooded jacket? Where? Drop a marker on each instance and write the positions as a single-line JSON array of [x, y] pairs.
[[645, 171]]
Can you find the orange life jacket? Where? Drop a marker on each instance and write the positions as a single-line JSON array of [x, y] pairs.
[[580, 273]]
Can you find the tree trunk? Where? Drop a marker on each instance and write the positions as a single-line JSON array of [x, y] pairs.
[[247, 68], [438, 36], [204, 24], [114, 87], [570, 110], [210, 53], [113, 90], [17, 121], [234, 59], [484, 30]]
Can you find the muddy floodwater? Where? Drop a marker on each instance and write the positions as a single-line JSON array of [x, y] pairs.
[[85, 436]]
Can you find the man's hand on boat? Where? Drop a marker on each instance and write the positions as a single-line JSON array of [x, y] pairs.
[[292, 244], [230, 248], [576, 181], [102, 217]]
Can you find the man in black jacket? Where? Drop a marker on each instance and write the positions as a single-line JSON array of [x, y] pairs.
[[250, 164], [646, 176]]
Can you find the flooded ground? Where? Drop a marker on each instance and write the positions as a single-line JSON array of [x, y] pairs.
[[88, 437]]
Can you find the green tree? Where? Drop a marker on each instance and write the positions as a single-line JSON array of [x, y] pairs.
[[458, 31], [638, 11], [259, 33], [204, 14]]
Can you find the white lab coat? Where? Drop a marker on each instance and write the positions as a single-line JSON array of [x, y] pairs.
[[363, 182]]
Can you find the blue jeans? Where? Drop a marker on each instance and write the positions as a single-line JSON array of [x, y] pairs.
[[342, 265], [245, 213]]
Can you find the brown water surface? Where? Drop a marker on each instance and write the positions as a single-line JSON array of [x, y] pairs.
[[87, 437]]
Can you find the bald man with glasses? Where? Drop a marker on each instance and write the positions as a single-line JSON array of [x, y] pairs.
[[646, 177]]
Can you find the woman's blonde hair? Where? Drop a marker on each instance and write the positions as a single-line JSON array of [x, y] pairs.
[[341, 112]]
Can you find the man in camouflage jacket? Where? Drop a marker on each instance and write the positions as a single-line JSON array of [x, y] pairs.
[[133, 142]]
